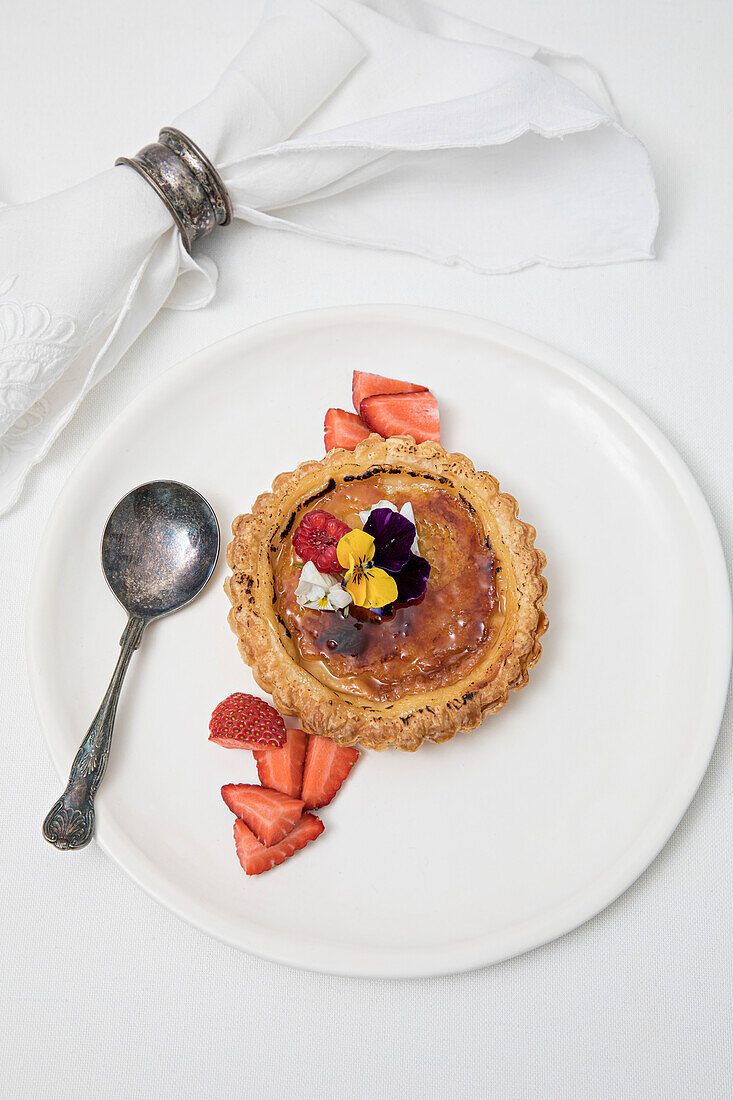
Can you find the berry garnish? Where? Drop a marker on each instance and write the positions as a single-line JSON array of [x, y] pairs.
[[256, 857], [414, 414], [270, 815], [316, 538], [246, 722], [326, 767], [366, 385], [343, 429], [282, 769]]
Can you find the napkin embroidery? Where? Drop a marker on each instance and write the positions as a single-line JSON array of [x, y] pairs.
[[20, 437], [35, 349]]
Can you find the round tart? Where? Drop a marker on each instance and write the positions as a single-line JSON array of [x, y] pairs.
[[428, 668]]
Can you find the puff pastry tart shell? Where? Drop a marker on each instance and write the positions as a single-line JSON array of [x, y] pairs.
[[434, 669]]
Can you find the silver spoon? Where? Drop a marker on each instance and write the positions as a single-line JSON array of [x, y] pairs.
[[159, 549]]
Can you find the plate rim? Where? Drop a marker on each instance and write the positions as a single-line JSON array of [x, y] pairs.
[[562, 918]]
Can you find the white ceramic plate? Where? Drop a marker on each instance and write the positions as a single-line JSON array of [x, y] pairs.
[[461, 854]]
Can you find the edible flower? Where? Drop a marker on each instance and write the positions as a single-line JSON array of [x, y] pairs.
[[412, 580], [367, 584], [320, 591], [406, 510], [394, 535]]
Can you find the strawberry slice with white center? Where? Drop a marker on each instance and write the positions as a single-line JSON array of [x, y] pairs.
[[343, 429], [271, 815], [414, 414], [256, 857], [326, 767], [365, 385], [282, 769]]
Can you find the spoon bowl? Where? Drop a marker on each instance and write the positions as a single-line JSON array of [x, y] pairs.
[[159, 548]]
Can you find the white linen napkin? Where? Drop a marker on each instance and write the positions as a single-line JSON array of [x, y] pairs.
[[391, 125]]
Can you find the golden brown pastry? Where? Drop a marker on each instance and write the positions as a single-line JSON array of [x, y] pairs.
[[425, 669]]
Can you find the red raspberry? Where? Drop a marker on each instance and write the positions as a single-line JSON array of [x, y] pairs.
[[316, 538]]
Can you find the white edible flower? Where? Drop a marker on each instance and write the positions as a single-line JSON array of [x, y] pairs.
[[406, 510], [320, 591]]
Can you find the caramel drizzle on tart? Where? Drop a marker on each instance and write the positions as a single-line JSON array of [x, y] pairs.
[[434, 642], [319, 702]]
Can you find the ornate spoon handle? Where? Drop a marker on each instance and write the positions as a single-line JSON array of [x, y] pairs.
[[70, 822]]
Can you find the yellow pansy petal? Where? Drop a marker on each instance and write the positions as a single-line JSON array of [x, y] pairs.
[[381, 588], [357, 545], [356, 586]]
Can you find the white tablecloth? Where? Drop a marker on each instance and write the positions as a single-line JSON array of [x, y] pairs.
[[105, 994]]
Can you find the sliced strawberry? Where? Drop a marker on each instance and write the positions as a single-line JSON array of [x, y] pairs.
[[243, 721], [270, 815], [343, 429], [364, 385], [282, 769], [256, 858], [227, 742], [414, 414], [326, 766]]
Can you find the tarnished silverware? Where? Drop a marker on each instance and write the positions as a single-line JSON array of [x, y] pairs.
[[159, 549], [186, 181]]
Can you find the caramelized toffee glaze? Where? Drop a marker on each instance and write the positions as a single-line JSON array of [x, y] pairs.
[[433, 643]]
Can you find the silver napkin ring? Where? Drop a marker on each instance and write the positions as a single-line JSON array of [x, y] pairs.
[[187, 182]]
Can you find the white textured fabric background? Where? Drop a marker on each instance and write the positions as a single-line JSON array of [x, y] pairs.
[[105, 994]]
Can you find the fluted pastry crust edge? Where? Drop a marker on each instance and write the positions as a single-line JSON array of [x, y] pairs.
[[437, 714]]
